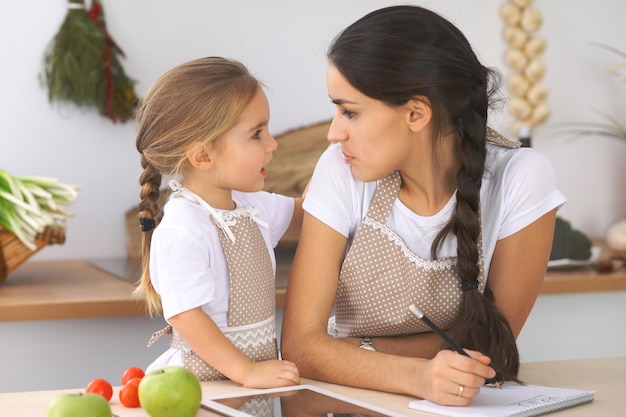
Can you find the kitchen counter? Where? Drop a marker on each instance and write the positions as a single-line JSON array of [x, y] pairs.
[[65, 289], [604, 376], [103, 288], [583, 279]]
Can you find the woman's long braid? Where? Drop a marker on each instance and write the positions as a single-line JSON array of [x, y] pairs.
[[149, 214], [481, 325]]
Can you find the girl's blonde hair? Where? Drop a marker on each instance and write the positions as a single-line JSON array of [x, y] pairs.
[[197, 101]]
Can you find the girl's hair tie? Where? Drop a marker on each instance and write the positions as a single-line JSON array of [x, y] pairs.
[[146, 224]]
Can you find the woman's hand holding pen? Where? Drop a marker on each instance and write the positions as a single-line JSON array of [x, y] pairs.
[[453, 379]]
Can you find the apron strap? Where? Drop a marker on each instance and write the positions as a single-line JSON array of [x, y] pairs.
[[385, 195], [495, 137], [159, 333]]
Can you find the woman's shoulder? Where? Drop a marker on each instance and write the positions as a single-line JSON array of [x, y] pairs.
[[501, 160], [518, 174]]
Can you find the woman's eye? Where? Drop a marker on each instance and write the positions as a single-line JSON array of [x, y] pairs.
[[257, 134], [347, 113]]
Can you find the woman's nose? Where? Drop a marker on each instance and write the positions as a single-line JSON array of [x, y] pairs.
[[335, 132]]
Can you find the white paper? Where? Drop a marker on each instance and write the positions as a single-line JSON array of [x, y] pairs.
[[511, 400]]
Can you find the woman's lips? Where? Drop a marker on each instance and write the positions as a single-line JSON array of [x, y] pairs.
[[348, 158]]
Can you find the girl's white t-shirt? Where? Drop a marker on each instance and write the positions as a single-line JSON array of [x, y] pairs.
[[187, 263], [519, 186]]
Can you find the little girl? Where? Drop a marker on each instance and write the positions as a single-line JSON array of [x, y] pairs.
[[208, 259]]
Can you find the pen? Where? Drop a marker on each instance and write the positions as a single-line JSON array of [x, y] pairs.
[[443, 335]]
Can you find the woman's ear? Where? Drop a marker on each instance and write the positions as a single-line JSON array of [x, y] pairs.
[[199, 155], [420, 113]]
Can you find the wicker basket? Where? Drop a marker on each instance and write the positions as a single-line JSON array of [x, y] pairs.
[[13, 252]]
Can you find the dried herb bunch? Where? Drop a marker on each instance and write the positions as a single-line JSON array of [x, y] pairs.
[[82, 65]]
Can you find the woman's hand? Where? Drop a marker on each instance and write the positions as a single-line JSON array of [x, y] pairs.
[[271, 374], [453, 379]]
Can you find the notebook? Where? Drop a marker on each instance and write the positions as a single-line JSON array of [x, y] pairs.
[[511, 400]]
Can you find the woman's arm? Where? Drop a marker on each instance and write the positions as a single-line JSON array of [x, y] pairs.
[[204, 337], [310, 296], [422, 345], [518, 268]]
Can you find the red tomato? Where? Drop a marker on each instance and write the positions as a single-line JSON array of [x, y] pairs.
[[102, 387], [130, 373], [129, 393]]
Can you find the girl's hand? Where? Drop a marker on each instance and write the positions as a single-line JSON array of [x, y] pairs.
[[271, 374], [454, 379]]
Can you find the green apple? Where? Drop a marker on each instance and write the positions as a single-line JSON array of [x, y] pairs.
[[83, 405], [172, 391]]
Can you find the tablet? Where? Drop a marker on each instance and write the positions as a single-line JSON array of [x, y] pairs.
[[294, 401]]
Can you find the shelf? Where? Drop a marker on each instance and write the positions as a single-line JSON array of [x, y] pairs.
[[585, 279], [103, 288], [65, 289]]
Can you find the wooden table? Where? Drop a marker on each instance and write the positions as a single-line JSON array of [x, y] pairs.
[[607, 377]]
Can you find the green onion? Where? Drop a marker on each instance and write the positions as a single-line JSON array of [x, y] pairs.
[[30, 204]]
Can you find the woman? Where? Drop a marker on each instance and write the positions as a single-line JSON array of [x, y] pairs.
[[416, 201]]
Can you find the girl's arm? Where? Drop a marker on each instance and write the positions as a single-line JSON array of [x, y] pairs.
[[296, 219], [206, 339], [312, 288]]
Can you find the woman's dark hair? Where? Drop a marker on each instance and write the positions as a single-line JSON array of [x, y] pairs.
[[396, 54]]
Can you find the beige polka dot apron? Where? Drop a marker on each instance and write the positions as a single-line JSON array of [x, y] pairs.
[[252, 304], [381, 276]]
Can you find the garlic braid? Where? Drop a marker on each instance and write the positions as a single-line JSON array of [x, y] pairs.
[[528, 102]]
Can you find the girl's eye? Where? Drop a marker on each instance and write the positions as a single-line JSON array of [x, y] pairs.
[[347, 113], [257, 134]]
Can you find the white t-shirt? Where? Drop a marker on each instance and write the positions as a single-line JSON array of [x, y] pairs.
[[187, 263], [518, 187]]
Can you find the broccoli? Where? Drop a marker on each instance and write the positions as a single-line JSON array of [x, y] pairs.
[[569, 243]]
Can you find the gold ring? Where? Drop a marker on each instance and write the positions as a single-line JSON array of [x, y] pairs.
[[461, 388]]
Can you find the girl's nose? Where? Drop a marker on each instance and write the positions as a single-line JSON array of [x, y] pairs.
[[272, 145]]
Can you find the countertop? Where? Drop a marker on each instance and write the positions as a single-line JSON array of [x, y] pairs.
[[605, 376], [65, 289]]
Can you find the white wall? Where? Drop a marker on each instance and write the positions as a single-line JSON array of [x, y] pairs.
[[572, 326], [284, 44], [67, 354]]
